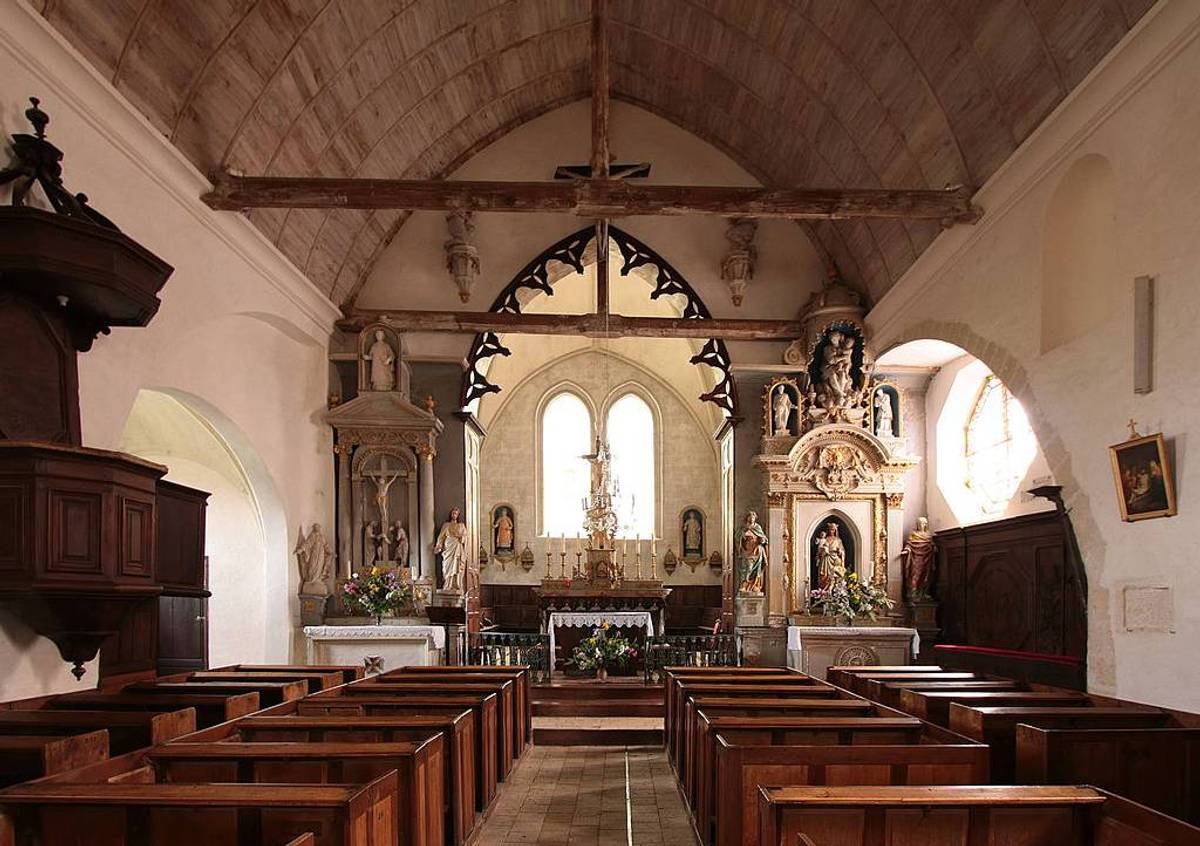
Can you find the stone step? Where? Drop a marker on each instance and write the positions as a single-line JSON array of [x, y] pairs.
[[614, 689], [597, 737], [596, 708]]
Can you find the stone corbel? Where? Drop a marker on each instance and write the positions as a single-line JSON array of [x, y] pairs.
[[462, 256], [737, 268]]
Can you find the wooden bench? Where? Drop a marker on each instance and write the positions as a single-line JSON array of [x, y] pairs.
[[934, 705], [316, 680], [508, 726], [690, 760], [784, 730], [269, 693], [349, 672], [419, 767], [1158, 767], [997, 725], [483, 709], [838, 673], [457, 732], [857, 682], [52, 814], [961, 816], [508, 684], [888, 692], [520, 675], [211, 708], [127, 731], [29, 756], [741, 769]]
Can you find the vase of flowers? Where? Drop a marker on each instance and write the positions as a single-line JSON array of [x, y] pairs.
[[604, 651], [850, 597], [377, 592]]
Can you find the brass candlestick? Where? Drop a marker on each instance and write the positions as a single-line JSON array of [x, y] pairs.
[[653, 566], [562, 565], [578, 563], [549, 572], [638, 559]]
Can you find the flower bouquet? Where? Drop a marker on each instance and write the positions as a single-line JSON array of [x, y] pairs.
[[604, 651], [377, 592], [850, 597]]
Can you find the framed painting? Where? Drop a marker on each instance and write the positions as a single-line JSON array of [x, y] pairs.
[[1142, 471]]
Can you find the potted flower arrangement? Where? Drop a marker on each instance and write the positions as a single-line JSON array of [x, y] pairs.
[[603, 652], [851, 597], [377, 592]]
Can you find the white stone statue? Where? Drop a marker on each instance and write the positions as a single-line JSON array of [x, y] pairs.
[[314, 558], [883, 414], [452, 546], [371, 547], [781, 406], [831, 556], [400, 537], [835, 370], [383, 363], [691, 533]]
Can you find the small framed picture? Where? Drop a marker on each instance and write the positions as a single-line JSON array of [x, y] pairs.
[[1142, 470]]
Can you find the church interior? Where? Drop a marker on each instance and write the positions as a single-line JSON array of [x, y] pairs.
[[583, 422]]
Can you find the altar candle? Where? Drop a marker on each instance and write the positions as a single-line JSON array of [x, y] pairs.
[[653, 545], [563, 542], [578, 544]]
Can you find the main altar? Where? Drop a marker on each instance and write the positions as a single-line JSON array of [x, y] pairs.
[[600, 586]]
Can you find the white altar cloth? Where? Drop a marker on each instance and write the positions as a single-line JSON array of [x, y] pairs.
[[796, 632], [379, 648], [576, 619]]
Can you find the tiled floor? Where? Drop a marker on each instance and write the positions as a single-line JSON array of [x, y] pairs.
[[576, 796]]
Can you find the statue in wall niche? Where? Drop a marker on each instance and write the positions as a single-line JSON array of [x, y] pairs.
[[835, 371], [831, 556], [883, 414], [371, 543], [383, 363], [917, 561], [400, 538], [752, 556], [451, 545], [781, 411], [315, 560]]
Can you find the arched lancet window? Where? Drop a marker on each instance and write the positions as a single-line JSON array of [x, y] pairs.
[[630, 432], [566, 438], [1000, 446]]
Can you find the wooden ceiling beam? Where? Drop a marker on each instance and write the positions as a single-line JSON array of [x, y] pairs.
[[592, 198], [587, 325], [600, 101]]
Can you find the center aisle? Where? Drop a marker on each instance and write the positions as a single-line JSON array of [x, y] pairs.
[[590, 796]]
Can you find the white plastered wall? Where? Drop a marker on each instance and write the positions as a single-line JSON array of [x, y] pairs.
[[981, 288], [240, 331]]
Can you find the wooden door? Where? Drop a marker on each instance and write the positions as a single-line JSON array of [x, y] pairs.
[[182, 634]]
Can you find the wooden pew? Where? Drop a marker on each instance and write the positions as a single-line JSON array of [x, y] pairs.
[[788, 730], [961, 816], [838, 674], [934, 705], [888, 692], [857, 682], [29, 756], [674, 719], [211, 708], [316, 680], [483, 709], [127, 731], [349, 672], [456, 730], [269, 693], [521, 692], [691, 763], [741, 769], [508, 726], [1158, 767], [305, 839], [420, 802], [519, 673], [997, 725], [67, 814]]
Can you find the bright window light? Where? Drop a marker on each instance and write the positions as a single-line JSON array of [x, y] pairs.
[[566, 438], [999, 446], [630, 429]]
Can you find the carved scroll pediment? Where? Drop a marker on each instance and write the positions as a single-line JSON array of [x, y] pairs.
[[837, 460]]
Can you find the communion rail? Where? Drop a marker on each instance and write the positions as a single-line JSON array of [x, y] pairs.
[[491, 649], [709, 650]]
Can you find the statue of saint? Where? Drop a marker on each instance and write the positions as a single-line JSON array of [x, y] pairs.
[[400, 537], [314, 558], [383, 363], [752, 554], [917, 558], [837, 383], [883, 414], [781, 406], [452, 546], [503, 526], [371, 543], [831, 557], [693, 535]]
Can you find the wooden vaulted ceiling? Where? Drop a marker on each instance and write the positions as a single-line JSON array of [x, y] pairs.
[[824, 93]]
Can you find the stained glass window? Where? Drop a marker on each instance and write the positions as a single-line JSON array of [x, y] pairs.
[[1000, 446]]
